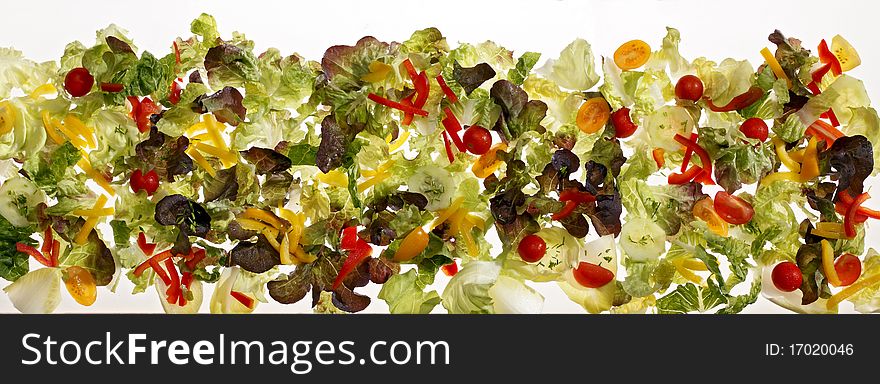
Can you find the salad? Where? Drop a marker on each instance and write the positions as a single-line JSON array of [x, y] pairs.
[[638, 182]]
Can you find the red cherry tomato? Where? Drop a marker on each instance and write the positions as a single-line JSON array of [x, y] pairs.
[[532, 248], [733, 209], [78, 82], [754, 128], [689, 87], [623, 125], [477, 139], [149, 181], [787, 276], [848, 268], [592, 275]]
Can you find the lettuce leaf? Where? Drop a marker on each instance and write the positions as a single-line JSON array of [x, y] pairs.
[[405, 295], [575, 67]]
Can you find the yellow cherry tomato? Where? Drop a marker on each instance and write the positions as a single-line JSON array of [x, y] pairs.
[[81, 285], [705, 210], [412, 245], [632, 54], [593, 115]]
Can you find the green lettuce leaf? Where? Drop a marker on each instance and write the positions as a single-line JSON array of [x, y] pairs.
[[405, 295], [574, 69]]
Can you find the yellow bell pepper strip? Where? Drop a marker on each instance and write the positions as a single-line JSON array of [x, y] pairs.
[[79, 128], [97, 177], [828, 234], [828, 264], [444, 214], [810, 166], [201, 161], [686, 273], [264, 216], [852, 290], [7, 117], [73, 137], [488, 163], [83, 235], [401, 140], [304, 257], [797, 155], [412, 245], [226, 157], [783, 156], [373, 181], [284, 250], [694, 264], [774, 65], [381, 169], [197, 127], [43, 90], [50, 129], [334, 178], [378, 72], [214, 131], [273, 241]]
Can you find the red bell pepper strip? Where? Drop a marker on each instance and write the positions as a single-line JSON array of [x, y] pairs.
[[29, 250], [142, 243], [579, 197], [446, 90], [349, 238], [831, 117], [565, 211], [862, 214], [423, 88], [686, 176], [176, 89], [112, 87], [410, 70], [841, 208], [393, 104], [185, 280], [198, 256], [407, 117], [453, 127], [176, 53], [245, 300], [739, 102], [706, 175], [827, 57], [354, 259], [47, 240], [824, 131], [173, 291], [155, 258], [450, 269], [152, 262], [657, 154], [449, 154], [687, 155], [849, 226], [56, 249]]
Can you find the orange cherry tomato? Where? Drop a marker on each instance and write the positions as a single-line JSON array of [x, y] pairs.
[[412, 245], [705, 210], [81, 285], [632, 54], [593, 115]]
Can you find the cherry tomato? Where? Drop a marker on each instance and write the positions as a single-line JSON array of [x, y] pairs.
[[787, 276], [592, 275], [81, 285], [477, 139], [532, 248], [593, 114], [147, 181], [689, 87], [412, 245], [754, 128], [78, 82], [705, 210], [733, 209], [632, 54], [848, 268], [623, 124]]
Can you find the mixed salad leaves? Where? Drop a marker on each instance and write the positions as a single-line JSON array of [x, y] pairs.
[[637, 182]]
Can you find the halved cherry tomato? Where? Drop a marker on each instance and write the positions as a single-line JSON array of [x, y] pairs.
[[623, 124], [532, 248], [754, 128], [787, 277], [593, 115], [689, 87], [149, 181], [78, 82], [80, 284], [477, 140], [733, 209], [705, 210], [632, 54], [848, 268], [592, 275]]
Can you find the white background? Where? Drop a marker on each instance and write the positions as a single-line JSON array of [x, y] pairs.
[[715, 30]]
